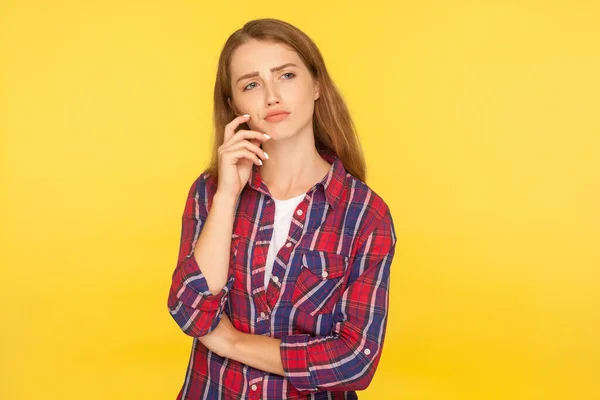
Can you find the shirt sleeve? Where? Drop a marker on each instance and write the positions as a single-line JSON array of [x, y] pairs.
[[191, 304], [347, 359]]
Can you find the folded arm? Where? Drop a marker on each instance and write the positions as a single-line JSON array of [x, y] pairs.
[[348, 357]]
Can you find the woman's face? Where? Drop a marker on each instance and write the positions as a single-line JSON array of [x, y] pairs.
[[290, 88]]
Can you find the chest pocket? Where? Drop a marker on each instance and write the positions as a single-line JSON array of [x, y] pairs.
[[319, 283]]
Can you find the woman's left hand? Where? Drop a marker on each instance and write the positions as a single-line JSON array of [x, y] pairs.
[[222, 339]]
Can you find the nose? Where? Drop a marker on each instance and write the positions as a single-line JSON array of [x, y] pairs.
[[272, 94]]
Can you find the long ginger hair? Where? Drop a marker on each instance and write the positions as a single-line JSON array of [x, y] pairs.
[[333, 128]]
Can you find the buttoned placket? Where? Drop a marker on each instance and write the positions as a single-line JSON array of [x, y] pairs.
[[266, 299], [294, 236], [255, 388]]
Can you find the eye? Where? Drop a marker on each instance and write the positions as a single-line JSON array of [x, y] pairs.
[[247, 87]]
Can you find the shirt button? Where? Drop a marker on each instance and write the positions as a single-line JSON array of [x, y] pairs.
[[253, 387], [367, 351], [299, 212], [275, 279], [324, 274], [288, 244]]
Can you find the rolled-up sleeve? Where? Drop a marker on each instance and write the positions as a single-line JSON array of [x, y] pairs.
[[347, 359], [191, 304]]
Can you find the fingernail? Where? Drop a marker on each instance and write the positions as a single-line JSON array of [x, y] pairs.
[[267, 136], [260, 162], [266, 155], [246, 115]]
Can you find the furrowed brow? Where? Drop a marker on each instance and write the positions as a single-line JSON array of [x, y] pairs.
[[275, 69]]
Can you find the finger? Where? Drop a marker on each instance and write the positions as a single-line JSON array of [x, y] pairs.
[[233, 156], [231, 126], [245, 144], [245, 134]]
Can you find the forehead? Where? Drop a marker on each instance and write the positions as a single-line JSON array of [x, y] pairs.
[[260, 56]]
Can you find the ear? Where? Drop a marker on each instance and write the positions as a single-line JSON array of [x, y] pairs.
[[316, 96]]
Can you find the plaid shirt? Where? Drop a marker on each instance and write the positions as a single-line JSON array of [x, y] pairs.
[[327, 299]]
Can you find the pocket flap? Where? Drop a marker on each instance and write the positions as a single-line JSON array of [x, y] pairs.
[[324, 264]]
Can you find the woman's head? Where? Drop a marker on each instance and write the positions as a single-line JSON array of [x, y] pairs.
[[268, 76], [248, 84]]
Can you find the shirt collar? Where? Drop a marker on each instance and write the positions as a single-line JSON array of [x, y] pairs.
[[332, 183]]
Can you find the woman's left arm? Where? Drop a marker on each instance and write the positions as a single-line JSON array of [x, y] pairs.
[[257, 351], [346, 359]]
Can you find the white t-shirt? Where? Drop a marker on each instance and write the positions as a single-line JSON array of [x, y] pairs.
[[284, 211]]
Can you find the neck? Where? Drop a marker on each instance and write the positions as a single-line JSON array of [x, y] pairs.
[[293, 167]]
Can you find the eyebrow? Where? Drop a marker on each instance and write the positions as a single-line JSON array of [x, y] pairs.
[[255, 73]]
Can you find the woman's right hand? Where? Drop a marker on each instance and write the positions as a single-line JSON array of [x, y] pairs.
[[237, 155]]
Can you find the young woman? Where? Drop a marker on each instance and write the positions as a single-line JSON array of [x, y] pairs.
[[284, 263]]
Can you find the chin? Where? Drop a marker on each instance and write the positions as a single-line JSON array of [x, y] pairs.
[[281, 133]]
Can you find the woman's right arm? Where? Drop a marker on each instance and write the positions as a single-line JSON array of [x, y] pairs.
[[212, 250], [201, 280]]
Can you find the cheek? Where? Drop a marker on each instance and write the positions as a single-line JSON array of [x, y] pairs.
[[255, 126], [308, 106], [250, 107]]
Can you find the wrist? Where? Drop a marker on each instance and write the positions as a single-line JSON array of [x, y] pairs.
[[223, 197]]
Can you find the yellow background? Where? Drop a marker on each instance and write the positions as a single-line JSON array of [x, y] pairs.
[[480, 123]]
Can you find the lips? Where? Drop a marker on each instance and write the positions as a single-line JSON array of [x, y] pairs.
[[277, 116]]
